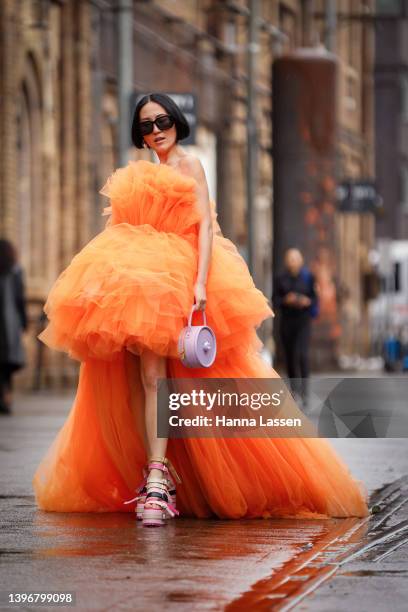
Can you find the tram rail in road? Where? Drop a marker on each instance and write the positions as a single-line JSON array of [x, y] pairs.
[[349, 539]]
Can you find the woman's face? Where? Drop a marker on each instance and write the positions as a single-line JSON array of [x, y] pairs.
[[159, 140]]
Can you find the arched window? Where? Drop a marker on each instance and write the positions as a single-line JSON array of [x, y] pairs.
[[108, 154], [30, 208], [24, 182]]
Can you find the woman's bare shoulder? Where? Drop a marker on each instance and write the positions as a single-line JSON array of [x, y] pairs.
[[190, 165]]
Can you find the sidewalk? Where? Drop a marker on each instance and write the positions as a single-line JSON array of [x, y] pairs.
[[113, 563]]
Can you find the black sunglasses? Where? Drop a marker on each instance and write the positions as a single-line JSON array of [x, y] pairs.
[[163, 122]]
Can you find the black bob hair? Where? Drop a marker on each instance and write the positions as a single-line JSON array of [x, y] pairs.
[[182, 127]]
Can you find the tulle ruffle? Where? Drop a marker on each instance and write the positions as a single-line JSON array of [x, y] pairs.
[[143, 192], [96, 461], [132, 286]]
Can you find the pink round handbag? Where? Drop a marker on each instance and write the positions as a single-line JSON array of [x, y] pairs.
[[197, 345]]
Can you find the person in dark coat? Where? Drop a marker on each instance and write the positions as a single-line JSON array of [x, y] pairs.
[[13, 321], [295, 296]]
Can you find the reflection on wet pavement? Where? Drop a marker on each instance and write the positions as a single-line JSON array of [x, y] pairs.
[[187, 561], [112, 562]]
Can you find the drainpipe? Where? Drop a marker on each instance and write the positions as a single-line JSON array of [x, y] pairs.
[[125, 76]]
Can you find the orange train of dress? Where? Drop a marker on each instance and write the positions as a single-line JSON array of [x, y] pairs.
[[131, 288]]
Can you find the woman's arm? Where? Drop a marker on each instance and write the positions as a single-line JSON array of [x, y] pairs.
[[192, 166]]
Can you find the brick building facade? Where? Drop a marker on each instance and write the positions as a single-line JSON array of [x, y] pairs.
[[59, 124], [391, 81]]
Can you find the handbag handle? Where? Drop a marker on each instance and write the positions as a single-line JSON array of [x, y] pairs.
[[191, 315]]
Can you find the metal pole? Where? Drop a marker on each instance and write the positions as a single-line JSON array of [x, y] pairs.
[[125, 76], [252, 145], [331, 25]]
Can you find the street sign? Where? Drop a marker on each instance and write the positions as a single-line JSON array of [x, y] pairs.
[[187, 102], [358, 196]]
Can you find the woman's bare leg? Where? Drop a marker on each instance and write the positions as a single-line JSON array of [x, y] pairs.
[[137, 400], [153, 366]]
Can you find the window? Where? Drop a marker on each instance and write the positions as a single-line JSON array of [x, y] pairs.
[[404, 188], [397, 276], [404, 98], [31, 237], [389, 8], [350, 98], [288, 25]]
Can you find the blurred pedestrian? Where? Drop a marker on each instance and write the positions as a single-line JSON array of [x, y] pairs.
[[295, 297], [13, 321], [392, 350]]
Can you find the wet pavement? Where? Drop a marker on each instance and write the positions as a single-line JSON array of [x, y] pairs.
[[112, 563]]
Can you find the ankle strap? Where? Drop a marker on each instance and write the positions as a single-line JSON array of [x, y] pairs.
[[157, 465], [166, 462], [154, 481]]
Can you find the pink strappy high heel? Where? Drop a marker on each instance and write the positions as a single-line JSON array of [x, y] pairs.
[[162, 490], [141, 497]]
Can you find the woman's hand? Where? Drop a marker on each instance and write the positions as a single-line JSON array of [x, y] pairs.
[[200, 295]]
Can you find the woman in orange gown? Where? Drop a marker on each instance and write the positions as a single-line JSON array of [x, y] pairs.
[[119, 307]]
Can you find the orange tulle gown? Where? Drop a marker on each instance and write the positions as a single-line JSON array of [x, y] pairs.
[[131, 288]]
